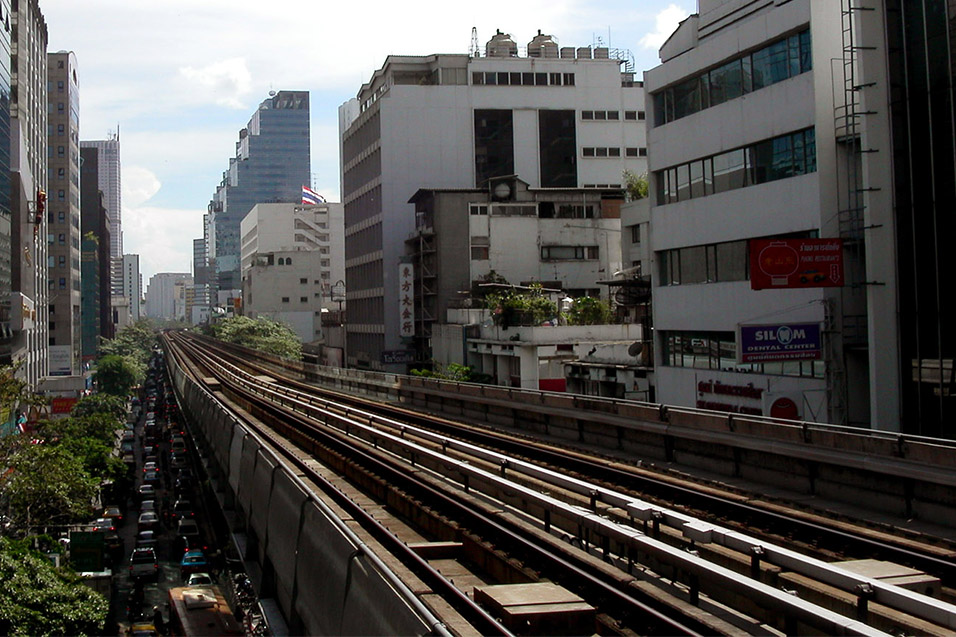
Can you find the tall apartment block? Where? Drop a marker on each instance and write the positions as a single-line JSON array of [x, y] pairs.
[[553, 117], [6, 327], [774, 286], [110, 184], [132, 285], [271, 165], [28, 166], [63, 214], [165, 298]]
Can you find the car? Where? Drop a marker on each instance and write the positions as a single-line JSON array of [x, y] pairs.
[[190, 542], [147, 505], [193, 562], [150, 464], [130, 459], [142, 629], [199, 579], [128, 436], [178, 460], [143, 563], [178, 445], [127, 446], [187, 527], [182, 486], [149, 449], [182, 509], [148, 520], [113, 512], [151, 475], [146, 491], [104, 524], [147, 538], [113, 543]]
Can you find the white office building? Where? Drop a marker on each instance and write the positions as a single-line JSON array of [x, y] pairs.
[[291, 256], [165, 295], [554, 117], [132, 285], [760, 301]]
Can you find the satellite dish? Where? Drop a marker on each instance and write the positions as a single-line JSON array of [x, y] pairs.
[[502, 190], [272, 93], [634, 349]]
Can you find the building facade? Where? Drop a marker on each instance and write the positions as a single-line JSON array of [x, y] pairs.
[[760, 295], [63, 214], [28, 166], [554, 117], [133, 285], [6, 215], [110, 184], [292, 255], [96, 312], [165, 295], [271, 165]]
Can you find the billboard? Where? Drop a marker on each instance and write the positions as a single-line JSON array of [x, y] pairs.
[[796, 263], [61, 360], [779, 342]]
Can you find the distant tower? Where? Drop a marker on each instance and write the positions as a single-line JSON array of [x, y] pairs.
[[110, 184]]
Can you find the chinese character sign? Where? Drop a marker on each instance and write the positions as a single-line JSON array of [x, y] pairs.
[[406, 300]]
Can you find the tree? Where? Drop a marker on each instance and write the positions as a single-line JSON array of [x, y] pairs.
[[589, 311], [117, 375], [45, 485], [635, 186], [36, 598], [134, 341], [105, 404], [263, 334], [512, 307]]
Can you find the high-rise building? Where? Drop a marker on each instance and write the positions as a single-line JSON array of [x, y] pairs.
[[63, 214], [110, 184], [556, 117], [28, 166], [96, 311], [132, 285], [271, 165], [6, 331], [164, 295]]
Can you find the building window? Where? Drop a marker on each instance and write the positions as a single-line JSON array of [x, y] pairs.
[[718, 351], [569, 253], [773, 63], [478, 209], [636, 235], [303, 281], [769, 160], [494, 144], [479, 253], [558, 149], [285, 299], [303, 299]]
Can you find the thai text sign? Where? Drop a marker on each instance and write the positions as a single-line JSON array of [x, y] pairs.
[[406, 300], [782, 342], [796, 263]]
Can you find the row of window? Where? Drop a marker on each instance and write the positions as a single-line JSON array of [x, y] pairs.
[[548, 253], [705, 264], [611, 115], [769, 160], [718, 351], [302, 299], [774, 63], [543, 210], [502, 78], [611, 151]]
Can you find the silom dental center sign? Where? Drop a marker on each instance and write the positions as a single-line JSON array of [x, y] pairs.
[[780, 342]]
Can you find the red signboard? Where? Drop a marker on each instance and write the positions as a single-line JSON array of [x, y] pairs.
[[796, 263], [62, 405]]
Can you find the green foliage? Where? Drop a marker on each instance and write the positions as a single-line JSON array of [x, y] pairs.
[[45, 485], [134, 341], [635, 186], [117, 375], [101, 404], [262, 334], [453, 371], [513, 307], [589, 311], [38, 599]]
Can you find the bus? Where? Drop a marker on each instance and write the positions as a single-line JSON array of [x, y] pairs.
[[200, 610]]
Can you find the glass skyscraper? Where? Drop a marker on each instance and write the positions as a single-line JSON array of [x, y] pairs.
[[271, 165]]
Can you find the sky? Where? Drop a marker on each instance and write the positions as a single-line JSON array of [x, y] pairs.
[[179, 78]]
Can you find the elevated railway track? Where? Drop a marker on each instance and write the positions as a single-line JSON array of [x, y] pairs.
[[477, 516]]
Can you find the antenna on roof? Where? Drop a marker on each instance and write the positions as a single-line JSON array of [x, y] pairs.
[[473, 50]]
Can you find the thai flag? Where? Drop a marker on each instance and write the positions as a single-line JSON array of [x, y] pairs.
[[310, 197]]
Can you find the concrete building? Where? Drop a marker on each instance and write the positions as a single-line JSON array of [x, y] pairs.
[[554, 117], [132, 285], [760, 295], [96, 312], [271, 165], [63, 214], [566, 239], [165, 295], [110, 183], [6, 273], [291, 256], [28, 166]]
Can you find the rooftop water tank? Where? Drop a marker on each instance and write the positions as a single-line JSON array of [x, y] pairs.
[[501, 46], [542, 46]]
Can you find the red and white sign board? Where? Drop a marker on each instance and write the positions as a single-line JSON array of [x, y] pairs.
[[796, 263]]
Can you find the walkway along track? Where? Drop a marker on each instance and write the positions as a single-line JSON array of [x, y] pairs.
[[591, 526]]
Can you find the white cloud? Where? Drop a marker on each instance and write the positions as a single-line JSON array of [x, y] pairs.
[[163, 237], [226, 81], [139, 185], [665, 24]]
